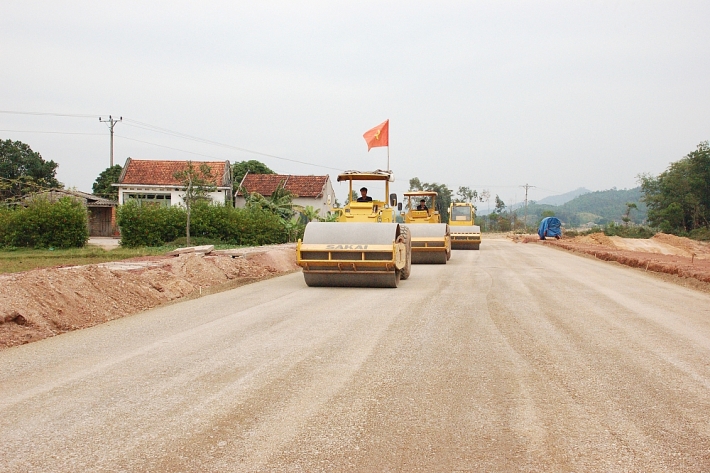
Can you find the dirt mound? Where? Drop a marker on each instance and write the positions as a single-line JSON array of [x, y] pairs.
[[666, 254], [691, 247], [598, 239], [522, 237], [46, 302]]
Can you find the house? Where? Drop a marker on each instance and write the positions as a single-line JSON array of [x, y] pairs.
[[307, 190], [154, 181], [102, 212]]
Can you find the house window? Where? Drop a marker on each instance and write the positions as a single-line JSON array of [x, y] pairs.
[[162, 199]]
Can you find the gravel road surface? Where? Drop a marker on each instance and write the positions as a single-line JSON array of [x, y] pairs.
[[512, 358]]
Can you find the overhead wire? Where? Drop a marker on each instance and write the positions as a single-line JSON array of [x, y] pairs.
[[157, 129], [55, 132], [74, 115]]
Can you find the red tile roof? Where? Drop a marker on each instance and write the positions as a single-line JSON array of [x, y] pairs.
[[161, 173], [301, 186]]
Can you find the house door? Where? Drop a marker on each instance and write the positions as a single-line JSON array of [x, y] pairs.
[[100, 221]]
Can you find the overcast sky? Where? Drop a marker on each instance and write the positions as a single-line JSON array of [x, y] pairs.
[[490, 95]]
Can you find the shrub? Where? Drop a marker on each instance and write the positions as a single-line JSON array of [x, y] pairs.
[[5, 218], [702, 234], [628, 231], [154, 225], [45, 224], [148, 224]]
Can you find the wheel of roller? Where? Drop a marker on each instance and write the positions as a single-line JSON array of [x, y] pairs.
[[407, 238]]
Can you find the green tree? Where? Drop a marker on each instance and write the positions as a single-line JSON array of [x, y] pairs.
[[23, 171], [678, 199], [197, 183], [627, 215], [280, 202], [240, 169], [465, 194], [500, 205], [102, 185], [310, 214]]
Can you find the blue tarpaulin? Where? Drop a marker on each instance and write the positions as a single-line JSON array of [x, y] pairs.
[[550, 227]]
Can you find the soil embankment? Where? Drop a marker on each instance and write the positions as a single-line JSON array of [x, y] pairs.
[[46, 302], [665, 254]]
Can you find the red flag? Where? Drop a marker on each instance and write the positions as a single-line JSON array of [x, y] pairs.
[[378, 136]]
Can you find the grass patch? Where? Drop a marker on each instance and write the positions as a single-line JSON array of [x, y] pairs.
[[15, 260]]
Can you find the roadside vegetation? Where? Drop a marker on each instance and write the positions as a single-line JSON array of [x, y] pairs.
[[14, 260]]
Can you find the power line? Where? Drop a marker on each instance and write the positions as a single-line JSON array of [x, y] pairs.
[[74, 115], [157, 129], [54, 132], [213, 157]]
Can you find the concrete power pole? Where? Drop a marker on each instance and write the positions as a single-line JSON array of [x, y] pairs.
[[111, 123], [526, 186]]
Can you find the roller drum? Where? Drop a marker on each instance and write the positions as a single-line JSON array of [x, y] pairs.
[[360, 267], [335, 279], [429, 230], [323, 233], [430, 243]]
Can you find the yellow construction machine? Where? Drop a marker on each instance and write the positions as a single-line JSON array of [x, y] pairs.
[[431, 242], [464, 234], [364, 247]]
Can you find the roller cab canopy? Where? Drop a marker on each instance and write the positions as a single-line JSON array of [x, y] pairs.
[[376, 211], [378, 175]]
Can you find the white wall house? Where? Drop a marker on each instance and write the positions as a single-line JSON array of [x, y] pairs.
[[309, 190], [154, 181]]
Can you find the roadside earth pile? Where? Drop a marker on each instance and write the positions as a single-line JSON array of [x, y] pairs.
[[663, 253], [45, 302]]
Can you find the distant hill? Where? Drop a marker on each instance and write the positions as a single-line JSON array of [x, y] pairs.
[[550, 200], [598, 208], [563, 198]]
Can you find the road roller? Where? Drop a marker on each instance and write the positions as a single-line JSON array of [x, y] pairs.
[[431, 241], [464, 234], [364, 247]]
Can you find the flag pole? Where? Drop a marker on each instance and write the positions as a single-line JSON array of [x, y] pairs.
[[388, 145]]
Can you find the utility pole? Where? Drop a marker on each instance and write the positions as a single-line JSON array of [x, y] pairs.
[[526, 186], [111, 123]]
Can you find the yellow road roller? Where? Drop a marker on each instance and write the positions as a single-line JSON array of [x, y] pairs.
[[464, 234], [431, 241], [364, 247]]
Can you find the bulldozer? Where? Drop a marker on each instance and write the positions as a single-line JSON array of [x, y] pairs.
[[363, 247], [431, 240], [464, 234]]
